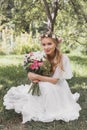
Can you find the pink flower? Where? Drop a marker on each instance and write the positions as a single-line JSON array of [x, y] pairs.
[[35, 65], [59, 40], [40, 63], [35, 61]]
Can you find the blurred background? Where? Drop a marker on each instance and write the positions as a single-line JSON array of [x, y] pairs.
[[21, 23]]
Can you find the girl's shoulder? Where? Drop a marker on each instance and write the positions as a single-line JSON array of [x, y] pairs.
[[64, 56]]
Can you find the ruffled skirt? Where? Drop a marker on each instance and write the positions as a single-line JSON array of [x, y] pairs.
[[56, 102]]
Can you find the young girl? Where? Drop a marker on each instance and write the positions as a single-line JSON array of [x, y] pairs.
[[56, 101]]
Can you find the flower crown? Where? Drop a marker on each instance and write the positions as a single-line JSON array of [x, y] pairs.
[[51, 35]]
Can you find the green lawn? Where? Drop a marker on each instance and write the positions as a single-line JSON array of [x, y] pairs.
[[13, 74]]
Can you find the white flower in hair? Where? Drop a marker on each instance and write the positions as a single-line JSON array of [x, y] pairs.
[[53, 36], [46, 35]]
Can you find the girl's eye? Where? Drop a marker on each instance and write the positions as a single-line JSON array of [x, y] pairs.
[[43, 44], [49, 43]]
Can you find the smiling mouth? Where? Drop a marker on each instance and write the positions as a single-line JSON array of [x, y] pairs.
[[47, 50]]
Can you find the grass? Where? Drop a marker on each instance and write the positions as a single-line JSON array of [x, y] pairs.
[[13, 74]]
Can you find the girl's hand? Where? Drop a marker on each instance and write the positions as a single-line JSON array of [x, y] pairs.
[[36, 81], [32, 76]]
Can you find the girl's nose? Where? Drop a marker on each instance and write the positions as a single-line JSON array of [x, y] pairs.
[[46, 47]]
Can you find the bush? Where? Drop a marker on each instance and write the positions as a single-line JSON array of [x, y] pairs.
[[20, 44], [65, 48], [25, 43], [2, 51], [22, 48]]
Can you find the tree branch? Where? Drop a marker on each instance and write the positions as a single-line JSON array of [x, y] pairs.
[[55, 7], [47, 10], [51, 13]]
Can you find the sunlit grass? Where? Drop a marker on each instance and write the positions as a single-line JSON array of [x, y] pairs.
[[11, 59], [79, 70], [79, 65]]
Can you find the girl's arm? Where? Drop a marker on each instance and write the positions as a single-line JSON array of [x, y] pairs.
[[33, 76], [47, 79]]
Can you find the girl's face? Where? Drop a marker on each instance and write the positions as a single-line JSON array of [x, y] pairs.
[[48, 45]]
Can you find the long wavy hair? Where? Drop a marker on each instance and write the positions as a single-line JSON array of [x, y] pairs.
[[57, 60]]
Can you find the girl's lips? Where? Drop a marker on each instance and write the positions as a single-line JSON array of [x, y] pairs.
[[47, 51]]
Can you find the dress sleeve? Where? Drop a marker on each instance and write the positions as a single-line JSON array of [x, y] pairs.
[[66, 73]]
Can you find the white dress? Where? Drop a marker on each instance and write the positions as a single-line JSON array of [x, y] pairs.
[[56, 101]]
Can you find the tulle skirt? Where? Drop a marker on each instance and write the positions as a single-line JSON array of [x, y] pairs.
[[56, 102]]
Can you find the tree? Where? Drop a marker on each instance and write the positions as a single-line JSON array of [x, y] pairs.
[[39, 12], [51, 13], [22, 13]]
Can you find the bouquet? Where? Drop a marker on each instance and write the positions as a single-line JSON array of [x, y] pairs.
[[37, 62]]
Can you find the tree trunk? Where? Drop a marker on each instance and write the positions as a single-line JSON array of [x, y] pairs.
[[51, 14]]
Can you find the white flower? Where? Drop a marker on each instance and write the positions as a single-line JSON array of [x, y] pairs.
[[37, 56]]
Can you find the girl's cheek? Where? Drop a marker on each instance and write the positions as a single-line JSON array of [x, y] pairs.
[[51, 47]]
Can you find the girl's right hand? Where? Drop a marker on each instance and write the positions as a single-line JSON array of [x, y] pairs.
[[35, 81], [32, 76]]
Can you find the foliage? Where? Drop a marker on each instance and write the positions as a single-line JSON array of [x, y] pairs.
[[21, 48], [23, 43], [30, 16], [21, 13], [72, 29], [24, 14]]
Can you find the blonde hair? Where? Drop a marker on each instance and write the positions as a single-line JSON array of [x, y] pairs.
[[57, 60]]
